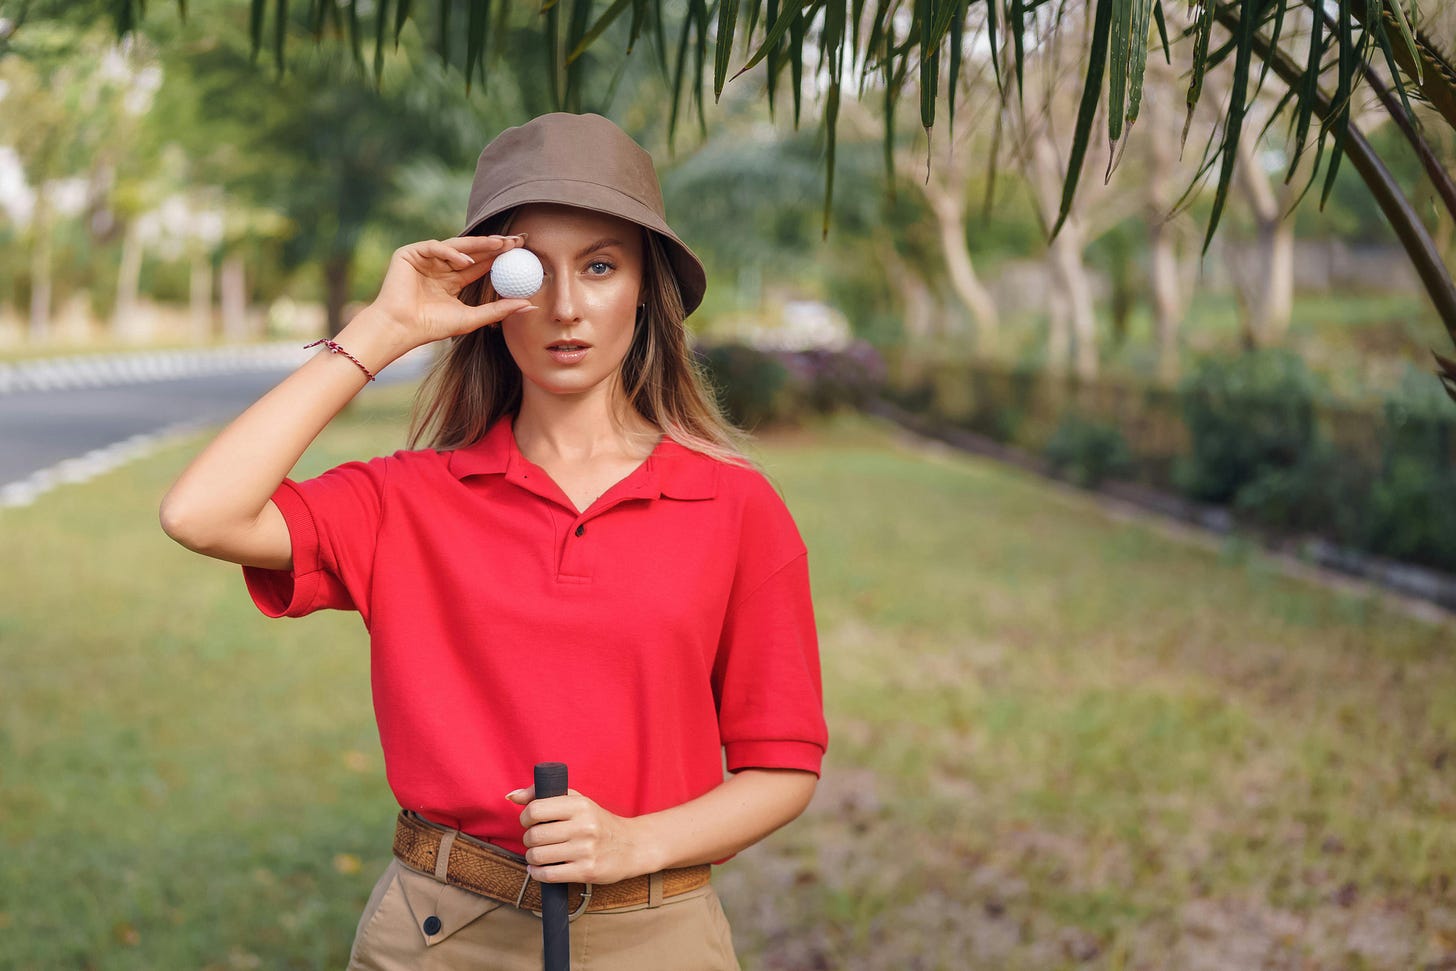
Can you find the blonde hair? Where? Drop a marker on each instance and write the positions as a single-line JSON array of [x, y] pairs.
[[476, 381]]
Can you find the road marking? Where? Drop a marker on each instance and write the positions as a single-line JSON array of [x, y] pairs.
[[98, 461]]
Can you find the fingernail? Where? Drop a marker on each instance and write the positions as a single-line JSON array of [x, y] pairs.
[[513, 793], [520, 236], [529, 306], [468, 258]]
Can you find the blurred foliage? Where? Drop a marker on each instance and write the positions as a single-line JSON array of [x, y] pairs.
[[764, 388], [1087, 452], [1245, 415], [1259, 434]]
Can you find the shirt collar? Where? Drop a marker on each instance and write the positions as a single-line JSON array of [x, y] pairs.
[[671, 470]]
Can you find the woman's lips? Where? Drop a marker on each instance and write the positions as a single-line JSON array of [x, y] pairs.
[[561, 355]]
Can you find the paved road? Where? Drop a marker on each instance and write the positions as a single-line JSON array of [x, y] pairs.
[[41, 428]]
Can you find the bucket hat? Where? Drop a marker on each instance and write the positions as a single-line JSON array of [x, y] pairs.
[[581, 160]]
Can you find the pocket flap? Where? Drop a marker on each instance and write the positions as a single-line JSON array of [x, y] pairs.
[[451, 906]]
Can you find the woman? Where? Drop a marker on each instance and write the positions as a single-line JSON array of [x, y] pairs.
[[583, 567]]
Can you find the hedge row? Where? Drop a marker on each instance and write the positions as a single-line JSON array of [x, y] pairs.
[[1258, 434]]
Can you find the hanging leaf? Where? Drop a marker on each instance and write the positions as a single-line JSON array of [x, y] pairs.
[[1308, 90], [477, 30], [782, 24], [1017, 25], [1233, 125], [602, 23], [1120, 29], [1138, 57], [831, 114], [796, 61], [727, 21], [401, 14], [1162, 32], [929, 62], [1341, 102], [1410, 41], [957, 40], [1203, 27], [1087, 110]]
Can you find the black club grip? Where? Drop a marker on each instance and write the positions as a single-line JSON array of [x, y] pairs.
[[555, 933]]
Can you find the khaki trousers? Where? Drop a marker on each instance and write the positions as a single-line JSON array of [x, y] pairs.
[[688, 932]]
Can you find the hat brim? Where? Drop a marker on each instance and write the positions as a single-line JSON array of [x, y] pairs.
[[691, 277]]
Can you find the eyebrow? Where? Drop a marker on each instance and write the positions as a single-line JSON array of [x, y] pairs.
[[599, 244]]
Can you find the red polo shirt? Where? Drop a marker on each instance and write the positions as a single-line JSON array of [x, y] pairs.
[[640, 641]]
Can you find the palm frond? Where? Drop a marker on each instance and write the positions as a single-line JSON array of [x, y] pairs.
[[1342, 46]]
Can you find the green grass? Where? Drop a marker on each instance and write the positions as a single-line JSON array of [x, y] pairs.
[[1057, 741]]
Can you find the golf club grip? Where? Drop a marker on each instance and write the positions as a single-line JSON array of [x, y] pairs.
[[555, 939]]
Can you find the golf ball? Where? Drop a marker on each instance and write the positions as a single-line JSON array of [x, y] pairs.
[[516, 273]]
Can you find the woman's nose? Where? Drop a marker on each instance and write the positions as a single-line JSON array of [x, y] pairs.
[[562, 300]]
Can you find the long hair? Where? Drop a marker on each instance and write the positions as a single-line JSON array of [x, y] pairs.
[[476, 381]]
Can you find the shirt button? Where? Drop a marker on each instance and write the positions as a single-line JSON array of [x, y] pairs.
[[581, 529], [432, 925]]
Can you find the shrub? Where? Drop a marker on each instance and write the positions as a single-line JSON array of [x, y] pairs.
[[752, 386], [1245, 416], [1411, 514], [758, 387], [1086, 452], [1320, 492]]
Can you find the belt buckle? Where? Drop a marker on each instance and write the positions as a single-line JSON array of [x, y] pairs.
[[581, 907], [586, 896]]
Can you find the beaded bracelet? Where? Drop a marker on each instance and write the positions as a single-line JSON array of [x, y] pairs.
[[338, 348]]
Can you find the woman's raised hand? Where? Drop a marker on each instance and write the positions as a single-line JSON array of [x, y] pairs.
[[421, 289]]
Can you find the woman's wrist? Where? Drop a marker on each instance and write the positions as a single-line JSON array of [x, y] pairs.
[[375, 339], [647, 853]]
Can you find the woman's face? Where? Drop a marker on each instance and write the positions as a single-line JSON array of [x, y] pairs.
[[593, 281]]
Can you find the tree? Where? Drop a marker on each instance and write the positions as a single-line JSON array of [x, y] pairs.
[[890, 38]]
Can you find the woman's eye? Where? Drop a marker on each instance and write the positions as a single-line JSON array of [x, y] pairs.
[[604, 263]]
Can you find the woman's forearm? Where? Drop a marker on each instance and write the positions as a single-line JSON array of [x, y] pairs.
[[748, 806], [216, 504], [572, 839]]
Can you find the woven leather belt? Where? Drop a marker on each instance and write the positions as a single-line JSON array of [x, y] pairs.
[[501, 875]]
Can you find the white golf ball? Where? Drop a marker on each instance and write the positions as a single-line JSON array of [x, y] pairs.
[[516, 273]]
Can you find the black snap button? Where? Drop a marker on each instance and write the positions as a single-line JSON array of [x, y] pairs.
[[581, 529], [432, 925]]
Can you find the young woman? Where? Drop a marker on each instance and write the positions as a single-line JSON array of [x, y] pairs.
[[581, 567]]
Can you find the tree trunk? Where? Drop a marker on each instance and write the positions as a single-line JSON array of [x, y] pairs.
[[1059, 335], [1268, 277], [919, 324], [200, 315], [40, 268], [949, 207], [1163, 277], [336, 290], [128, 282], [1069, 274], [233, 296]]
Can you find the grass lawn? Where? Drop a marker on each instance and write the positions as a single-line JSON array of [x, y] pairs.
[[1056, 741]]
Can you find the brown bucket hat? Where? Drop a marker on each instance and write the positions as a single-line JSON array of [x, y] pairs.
[[579, 160]]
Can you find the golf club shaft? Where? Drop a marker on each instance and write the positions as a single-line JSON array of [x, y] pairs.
[[555, 939]]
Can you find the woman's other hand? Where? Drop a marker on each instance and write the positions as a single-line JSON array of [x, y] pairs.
[[420, 294], [570, 839]]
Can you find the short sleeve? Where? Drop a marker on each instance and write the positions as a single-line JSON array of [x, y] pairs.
[[766, 675], [333, 525]]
